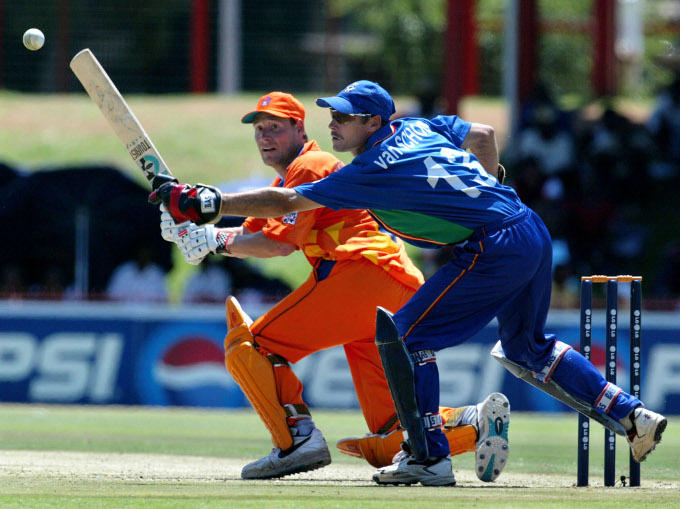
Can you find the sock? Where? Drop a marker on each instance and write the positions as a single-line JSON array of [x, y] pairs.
[[462, 416], [302, 427], [628, 422]]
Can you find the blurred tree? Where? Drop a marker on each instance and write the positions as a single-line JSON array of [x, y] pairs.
[[407, 57]]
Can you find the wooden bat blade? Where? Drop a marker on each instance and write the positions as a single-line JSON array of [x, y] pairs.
[[106, 96]]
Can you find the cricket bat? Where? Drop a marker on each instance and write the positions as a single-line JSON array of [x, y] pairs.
[[104, 93]]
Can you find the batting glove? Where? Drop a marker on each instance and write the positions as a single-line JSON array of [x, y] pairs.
[[197, 242], [168, 226], [199, 204]]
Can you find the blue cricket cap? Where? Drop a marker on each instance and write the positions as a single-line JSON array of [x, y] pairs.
[[361, 97]]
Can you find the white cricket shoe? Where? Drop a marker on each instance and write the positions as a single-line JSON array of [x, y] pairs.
[[646, 433], [492, 449], [406, 470], [307, 453]]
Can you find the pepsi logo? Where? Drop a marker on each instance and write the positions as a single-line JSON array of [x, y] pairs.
[[190, 363], [184, 365]]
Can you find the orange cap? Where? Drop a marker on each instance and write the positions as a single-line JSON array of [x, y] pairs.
[[278, 104]]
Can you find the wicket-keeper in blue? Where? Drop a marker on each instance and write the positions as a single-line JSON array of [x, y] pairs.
[[434, 183]]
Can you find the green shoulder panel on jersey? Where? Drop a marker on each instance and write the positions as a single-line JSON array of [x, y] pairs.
[[420, 228]]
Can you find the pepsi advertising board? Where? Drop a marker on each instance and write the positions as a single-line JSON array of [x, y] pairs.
[[101, 353], [108, 354]]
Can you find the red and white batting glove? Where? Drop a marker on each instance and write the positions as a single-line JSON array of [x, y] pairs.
[[197, 242], [200, 203]]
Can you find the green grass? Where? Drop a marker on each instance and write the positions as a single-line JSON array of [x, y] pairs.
[[542, 446], [200, 136]]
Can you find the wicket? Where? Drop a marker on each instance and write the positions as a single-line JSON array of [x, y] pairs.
[[611, 320]]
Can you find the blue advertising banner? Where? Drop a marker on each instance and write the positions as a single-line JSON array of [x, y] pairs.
[[102, 353]]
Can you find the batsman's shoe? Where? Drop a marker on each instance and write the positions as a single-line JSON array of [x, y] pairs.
[[406, 470], [646, 433], [493, 420], [307, 453]]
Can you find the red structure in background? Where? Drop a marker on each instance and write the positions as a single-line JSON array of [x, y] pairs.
[[461, 74], [200, 39], [603, 73], [527, 57], [2, 20]]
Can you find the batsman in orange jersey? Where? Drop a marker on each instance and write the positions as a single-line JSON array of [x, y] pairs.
[[356, 267]]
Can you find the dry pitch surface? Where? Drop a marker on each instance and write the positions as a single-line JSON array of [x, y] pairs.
[[88, 466]]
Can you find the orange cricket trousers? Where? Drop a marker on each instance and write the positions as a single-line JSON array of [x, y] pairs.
[[338, 310]]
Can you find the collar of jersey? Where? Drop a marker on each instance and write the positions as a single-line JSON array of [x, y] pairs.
[[380, 135], [310, 145]]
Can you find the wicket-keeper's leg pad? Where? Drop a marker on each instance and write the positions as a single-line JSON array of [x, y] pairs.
[[235, 314], [255, 375], [558, 387], [380, 449], [398, 368], [580, 378]]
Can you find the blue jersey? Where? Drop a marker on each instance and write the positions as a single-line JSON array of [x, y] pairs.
[[418, 183]]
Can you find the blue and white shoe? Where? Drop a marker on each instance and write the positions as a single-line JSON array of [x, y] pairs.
[[406, 470], [493, 420]]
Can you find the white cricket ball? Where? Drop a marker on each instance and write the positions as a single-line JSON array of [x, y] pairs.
[[34, 39]]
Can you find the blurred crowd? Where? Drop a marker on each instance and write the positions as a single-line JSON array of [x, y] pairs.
[[141, 279], [605, 186], [77, 245]]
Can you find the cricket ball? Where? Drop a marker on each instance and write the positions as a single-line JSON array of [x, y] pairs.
[[33, 39]]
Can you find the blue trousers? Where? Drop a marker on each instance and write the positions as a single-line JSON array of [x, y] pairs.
[[504, 271]]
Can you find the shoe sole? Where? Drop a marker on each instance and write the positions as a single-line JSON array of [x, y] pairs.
[[495, 446], [412, 482], [425, 480], [661, 427], [293, 470]]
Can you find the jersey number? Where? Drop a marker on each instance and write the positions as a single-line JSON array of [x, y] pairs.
[[435, 171]]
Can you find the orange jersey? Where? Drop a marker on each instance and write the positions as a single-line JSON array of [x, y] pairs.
[[334, 235]]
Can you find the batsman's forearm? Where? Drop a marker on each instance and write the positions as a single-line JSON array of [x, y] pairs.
[[265, 202], [259, 246], [487, 154]]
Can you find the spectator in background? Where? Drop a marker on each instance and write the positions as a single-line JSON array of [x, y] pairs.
[[210, 283], [546, 141], [138, 280], [617, 152], [541, 97], [544, 134]]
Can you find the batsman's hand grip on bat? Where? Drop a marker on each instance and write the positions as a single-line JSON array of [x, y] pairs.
[[200, 203]]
